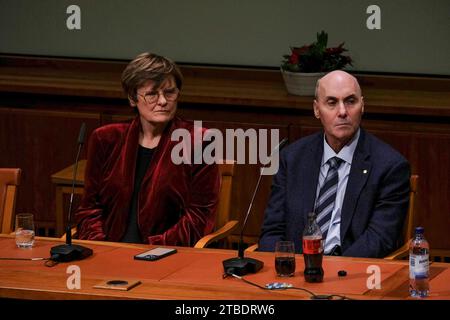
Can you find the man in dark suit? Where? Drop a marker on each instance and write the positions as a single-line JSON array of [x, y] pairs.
[[357, 185]]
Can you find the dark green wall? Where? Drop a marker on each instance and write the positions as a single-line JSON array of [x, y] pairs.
[[414, 37]]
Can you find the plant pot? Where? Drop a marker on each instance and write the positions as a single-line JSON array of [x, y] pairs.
[[300, 83]]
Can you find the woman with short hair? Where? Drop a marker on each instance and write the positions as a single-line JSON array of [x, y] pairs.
[[134, 192]]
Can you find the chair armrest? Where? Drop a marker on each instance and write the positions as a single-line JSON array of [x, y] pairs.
[[400, 253], [221, 233], [73, 231], [252, 248]]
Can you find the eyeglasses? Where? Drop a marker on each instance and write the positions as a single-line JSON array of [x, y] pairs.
[[170, 94]]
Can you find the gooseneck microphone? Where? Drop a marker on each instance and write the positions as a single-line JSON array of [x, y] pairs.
[[69, 252], [241, 265]]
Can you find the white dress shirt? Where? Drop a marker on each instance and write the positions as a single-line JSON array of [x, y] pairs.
[[346, 154]]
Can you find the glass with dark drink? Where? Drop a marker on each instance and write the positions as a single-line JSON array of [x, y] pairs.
[[285, 258]]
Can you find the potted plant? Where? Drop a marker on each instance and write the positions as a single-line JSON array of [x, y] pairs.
[[306, 64]]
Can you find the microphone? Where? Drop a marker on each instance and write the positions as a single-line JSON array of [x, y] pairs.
[[69, 252], [241, 265]]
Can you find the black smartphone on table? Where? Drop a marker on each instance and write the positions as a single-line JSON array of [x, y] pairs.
[[155, 254]]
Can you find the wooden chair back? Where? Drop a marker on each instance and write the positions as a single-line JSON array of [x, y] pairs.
[[408, 228], [224, 226], [9, 181], [223, 208]]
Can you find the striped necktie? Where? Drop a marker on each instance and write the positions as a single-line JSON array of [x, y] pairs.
[[327, 196]]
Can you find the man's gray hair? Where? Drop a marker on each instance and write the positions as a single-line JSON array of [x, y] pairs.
[[316, 91]]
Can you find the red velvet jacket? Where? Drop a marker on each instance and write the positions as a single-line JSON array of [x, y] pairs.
[[176, 205]]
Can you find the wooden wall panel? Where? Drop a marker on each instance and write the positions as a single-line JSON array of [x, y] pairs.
[[41, 143], [246, 176], [40, 116], [429, 155]]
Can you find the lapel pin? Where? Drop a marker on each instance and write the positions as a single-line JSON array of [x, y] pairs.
[[364, 171]]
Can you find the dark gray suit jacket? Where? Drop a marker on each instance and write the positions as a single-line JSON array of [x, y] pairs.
[[375, 202]]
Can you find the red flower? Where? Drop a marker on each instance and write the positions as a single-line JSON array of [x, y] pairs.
[[293, 59], [316, 57]]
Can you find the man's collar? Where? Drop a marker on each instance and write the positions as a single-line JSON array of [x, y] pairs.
[[346, 153]]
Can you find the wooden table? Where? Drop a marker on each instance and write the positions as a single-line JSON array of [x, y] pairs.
[[193, 274], [63, 183]]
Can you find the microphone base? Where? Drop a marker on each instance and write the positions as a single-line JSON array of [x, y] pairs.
[[242, 266], [69, 252]]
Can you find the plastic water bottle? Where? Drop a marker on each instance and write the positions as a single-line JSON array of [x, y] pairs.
[[419, 265]]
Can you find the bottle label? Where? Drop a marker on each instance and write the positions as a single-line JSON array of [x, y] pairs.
[[312, 246], [418, 266]]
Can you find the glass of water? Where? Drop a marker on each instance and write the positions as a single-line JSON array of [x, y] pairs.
[[24, 230]]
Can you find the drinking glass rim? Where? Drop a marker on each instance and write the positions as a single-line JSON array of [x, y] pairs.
[[22, 215], [284, 248], [284, 243]]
